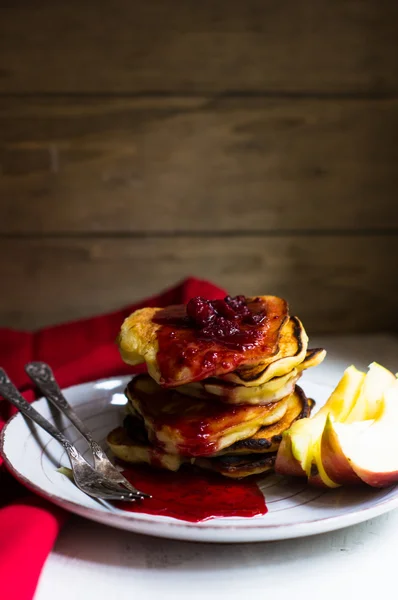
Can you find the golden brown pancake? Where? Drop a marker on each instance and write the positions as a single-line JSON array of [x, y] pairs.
[[232, 393], [177, 352], [292, 348], [267, 439], [127, 449], [275, 369], [313, 358], [194, 427], [238, 466], [256, 454], [270, 391]]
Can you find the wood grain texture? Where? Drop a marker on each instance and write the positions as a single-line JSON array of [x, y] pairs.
[[124, 46], [180, 164], [335, 284]]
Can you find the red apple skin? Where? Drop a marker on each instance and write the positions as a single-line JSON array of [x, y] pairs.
[[336, 465], [316, 480], [378, 480], [286, 463]]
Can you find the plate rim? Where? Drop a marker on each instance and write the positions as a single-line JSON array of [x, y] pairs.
[[118, 517]]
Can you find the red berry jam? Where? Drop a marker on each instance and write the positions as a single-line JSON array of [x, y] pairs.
[[211, 338], [193, 495], [195, 425]]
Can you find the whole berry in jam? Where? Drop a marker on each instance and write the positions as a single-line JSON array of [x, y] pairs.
[[200, 311], [238, 305], [254, 319], [224, 309], [236, 302], [220, 328], [222, 318]]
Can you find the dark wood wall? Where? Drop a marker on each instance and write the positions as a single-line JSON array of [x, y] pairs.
[[252, 143]]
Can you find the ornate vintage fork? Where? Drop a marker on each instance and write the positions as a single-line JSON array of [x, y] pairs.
[[86, 478], [42, 375]]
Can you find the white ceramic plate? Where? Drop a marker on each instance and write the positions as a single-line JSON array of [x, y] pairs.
[[295, 509]]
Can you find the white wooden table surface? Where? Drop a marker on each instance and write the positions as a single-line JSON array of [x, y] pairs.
[[91, 561]]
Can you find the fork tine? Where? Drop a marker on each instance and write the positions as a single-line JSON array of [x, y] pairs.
[[118, 489], [93, 479], [128, 493], [131, 488], [103, 495], [113, 495]]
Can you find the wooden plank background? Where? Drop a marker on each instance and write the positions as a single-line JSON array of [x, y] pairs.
[[68, 278], [197, 165], [141, 46], [251, 143]]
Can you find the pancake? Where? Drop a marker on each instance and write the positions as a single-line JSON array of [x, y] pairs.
[[134, 452], [238, 466], [267, 439], [250, 378], [313, 358], [271, 391], [128, 448], [292, 349], [231, 393], [194, 427], [178, 350], [254, 455]]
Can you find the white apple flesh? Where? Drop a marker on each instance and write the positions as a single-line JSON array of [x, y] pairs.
[[370, 447]]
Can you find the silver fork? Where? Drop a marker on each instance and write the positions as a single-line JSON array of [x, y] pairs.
[[42, 375], [86, 478]]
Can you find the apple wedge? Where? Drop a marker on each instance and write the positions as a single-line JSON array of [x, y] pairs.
[[286, 463], [377, 381], [365, 449], [302, 441], [318, 475], [334, 460], [367, 408]]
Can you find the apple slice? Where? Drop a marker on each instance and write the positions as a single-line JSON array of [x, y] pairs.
[[286, 463], [377, 381], [303, 440], [367, 449], [318, 475], [334, 460], [367, 408]]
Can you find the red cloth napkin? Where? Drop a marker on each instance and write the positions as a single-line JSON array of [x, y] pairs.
[[77, 352]]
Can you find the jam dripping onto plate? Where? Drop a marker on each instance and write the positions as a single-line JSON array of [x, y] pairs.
[[192, 495]]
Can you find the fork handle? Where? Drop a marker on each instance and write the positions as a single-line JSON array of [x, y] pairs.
[[42, 375], [10, 393]]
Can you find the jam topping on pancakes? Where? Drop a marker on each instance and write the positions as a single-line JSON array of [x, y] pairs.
[[210, 338], [194, 427]]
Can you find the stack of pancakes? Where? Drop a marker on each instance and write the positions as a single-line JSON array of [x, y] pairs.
[[221, 386]]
